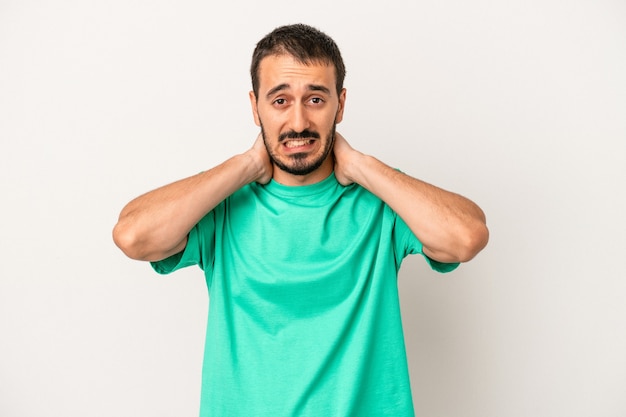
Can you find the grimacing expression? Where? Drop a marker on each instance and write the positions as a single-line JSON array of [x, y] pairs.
[[297, 109], [298, 163]]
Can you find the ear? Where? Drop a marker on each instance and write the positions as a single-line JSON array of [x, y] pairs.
[[340, 108], [255, 110]]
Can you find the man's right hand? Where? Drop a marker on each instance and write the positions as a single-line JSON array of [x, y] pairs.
[[261, 160]]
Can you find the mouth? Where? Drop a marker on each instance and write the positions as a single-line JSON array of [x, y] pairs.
[[296, 143]]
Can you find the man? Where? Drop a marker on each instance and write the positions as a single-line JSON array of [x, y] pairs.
[[300, 239]]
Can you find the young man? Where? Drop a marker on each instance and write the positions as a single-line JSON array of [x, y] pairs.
[[301, 239]]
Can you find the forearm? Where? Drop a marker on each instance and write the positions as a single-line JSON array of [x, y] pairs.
[[156, 224], [450, 227]]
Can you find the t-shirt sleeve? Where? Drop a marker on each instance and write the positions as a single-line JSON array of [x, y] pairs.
[[408, 244], [198, 251]]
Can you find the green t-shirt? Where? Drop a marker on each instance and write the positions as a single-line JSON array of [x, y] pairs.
[[304, 316]]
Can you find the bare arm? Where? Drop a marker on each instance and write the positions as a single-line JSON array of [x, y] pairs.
[[450, 227], [155, 225]]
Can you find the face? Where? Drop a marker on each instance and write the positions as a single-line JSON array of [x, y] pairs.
[[297, 110]]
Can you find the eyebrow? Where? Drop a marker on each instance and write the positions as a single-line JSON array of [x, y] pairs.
[[310, 87]]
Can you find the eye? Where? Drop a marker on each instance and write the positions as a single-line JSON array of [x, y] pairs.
[[317, 100], [280, 101]]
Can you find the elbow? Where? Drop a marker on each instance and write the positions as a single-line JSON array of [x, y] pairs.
[[462, 246], [474, 241], [125, 239], [140, 246]]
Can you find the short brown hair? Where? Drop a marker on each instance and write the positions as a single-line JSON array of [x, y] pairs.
[[305, 43]]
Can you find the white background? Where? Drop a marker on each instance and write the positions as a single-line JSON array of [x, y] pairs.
[[519, 105]]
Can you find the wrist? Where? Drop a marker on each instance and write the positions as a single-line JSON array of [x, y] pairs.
[[255, 167], [355, 167]]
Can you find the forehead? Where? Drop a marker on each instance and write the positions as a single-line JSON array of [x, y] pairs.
[[284, 69]]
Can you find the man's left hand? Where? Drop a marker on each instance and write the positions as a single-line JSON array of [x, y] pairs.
[[345, 160]]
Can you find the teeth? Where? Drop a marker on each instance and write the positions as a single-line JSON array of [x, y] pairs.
[[295, 143]]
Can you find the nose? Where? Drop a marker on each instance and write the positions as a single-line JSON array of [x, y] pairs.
[[299, 119]]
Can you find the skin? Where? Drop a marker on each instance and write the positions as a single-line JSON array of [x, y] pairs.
[[295, 98]]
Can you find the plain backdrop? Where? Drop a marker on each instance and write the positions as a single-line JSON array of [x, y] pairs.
[[518, 105]]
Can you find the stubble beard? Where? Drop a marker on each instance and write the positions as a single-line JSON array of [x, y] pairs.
[[297, 163]]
